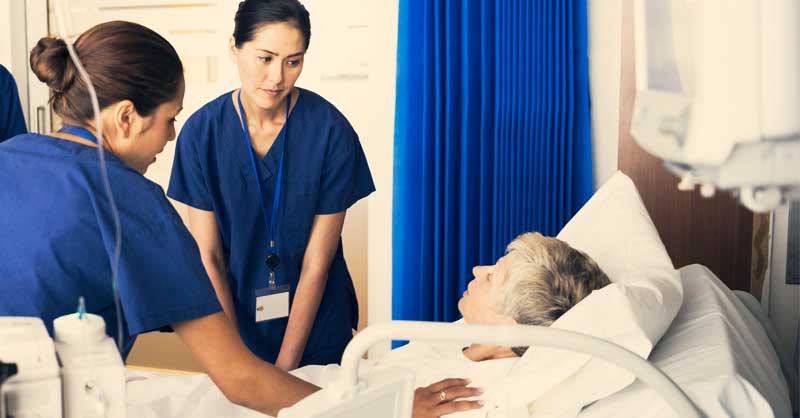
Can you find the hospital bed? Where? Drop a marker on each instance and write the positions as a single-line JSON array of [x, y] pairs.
[[716, 351]]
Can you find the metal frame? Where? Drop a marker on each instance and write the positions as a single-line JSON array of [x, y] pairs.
[[515, 335]]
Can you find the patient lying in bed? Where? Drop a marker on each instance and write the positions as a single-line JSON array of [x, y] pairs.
[[537, 280]]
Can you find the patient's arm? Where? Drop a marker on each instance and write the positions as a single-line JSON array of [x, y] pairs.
[[244, 378]]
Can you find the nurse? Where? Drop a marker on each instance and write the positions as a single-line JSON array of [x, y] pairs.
[[58, 233], [11, 120], [268, 172]]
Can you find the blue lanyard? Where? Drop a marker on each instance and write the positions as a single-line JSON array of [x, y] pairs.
[[272, 258], [78, 131]]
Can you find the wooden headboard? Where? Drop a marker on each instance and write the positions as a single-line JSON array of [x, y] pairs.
[[716, 232]]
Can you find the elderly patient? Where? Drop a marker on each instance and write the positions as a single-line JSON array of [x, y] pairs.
[[538, 280]]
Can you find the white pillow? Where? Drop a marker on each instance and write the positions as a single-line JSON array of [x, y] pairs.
[[634, 311]]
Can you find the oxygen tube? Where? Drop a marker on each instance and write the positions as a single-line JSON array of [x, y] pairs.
[[59, 14]]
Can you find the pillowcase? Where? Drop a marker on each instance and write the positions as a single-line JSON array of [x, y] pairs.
[[634, 311]]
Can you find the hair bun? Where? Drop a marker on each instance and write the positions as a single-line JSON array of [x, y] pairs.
[[51, 63]]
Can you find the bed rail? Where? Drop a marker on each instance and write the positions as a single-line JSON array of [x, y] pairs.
[[511, 336]]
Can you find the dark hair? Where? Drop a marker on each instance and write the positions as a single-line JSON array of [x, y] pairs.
[[124, 60], [254, 14]]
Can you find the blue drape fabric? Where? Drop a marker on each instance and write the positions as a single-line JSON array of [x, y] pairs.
[[492, 138]]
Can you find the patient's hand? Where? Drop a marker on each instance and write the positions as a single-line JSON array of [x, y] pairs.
[[440, 398]]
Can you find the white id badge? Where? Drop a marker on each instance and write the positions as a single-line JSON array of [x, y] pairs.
[[272, 303]]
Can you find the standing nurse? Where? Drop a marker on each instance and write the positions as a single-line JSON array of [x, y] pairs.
[[268, 172]]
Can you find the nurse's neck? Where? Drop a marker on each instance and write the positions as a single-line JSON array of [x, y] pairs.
[[261, 117], [74, 138]]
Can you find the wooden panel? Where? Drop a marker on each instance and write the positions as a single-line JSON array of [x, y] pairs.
[[716, 232], [762, 225]]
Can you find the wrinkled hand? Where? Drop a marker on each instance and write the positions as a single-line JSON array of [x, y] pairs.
[[440, 398]]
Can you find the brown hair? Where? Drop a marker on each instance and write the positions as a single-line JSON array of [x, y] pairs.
[[124, 60]]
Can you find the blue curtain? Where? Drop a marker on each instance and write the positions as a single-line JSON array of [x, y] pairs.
[[492, 138]]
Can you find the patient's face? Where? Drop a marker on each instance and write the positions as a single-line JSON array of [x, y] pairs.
[[477, 305]]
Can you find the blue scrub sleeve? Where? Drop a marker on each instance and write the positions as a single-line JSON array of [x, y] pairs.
[[161, 278], [187, 183], [12, 120], [346, 178]]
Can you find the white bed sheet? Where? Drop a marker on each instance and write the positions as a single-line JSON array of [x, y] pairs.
[[715, 349], [717, 352]]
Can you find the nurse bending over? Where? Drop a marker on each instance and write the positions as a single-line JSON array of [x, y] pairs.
[[58, 233]]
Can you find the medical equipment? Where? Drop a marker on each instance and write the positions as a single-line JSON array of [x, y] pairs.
[[6, 371], [36, 389], [88, 379], [349, 398], [718, 94]]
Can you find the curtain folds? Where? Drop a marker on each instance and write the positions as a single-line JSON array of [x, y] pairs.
[[492, 138]]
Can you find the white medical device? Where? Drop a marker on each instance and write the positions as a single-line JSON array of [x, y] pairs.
[[718, 95], [81, 375], [35, 391], [392, 398]]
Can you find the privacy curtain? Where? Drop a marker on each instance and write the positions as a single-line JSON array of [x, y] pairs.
[[492, 138]]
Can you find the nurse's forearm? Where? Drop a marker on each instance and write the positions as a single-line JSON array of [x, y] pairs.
[[304, 310], [219, 280], [242, 377], [323, 242], [204, 229]]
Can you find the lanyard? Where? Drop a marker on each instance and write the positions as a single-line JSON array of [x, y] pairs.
[[272, 260], [78, 131]]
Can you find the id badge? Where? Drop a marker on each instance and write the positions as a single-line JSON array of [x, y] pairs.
[[272, 303]]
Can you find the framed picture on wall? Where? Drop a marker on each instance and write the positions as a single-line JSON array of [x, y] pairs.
[[793, 246]]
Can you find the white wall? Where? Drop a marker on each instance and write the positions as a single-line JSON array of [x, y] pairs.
[[380, 153], [5, 33], [13, 50], [783, 300], [605, 31]]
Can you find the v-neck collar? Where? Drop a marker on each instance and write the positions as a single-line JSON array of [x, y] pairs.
[[268, 166]]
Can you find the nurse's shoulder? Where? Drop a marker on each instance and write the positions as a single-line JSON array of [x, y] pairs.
[[321, 112]]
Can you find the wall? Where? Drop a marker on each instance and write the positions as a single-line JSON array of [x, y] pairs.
[[605, 23], [782, 300], [13, 50], [380, 153], [5, 33]]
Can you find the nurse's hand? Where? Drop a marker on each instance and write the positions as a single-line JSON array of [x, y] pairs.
[[440, 398]]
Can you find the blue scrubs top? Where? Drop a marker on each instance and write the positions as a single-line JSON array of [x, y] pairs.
[[58, 236], [12, 121], [325, 172]]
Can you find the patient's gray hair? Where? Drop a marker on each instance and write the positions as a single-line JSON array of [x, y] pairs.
[[545, 278]]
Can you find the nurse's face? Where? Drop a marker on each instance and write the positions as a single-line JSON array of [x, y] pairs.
[[477, 305], [270, 63], [149, 135]]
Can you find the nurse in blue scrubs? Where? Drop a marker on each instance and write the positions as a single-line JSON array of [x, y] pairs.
[[12, 122], [268, 172], [56, 226], [57, 234]]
